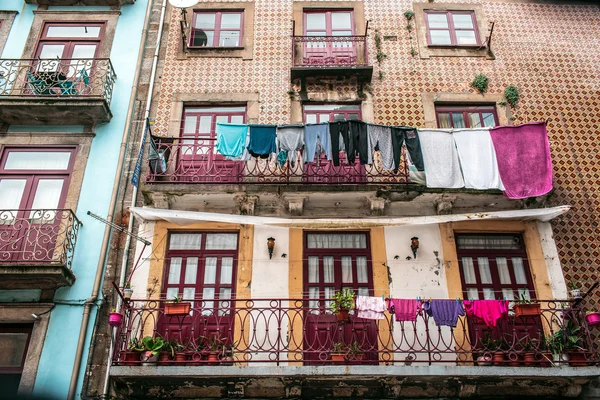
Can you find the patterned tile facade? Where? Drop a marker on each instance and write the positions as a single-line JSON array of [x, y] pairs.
[[549, 52]]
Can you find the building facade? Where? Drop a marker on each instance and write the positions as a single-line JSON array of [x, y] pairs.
[[67, 69], [258, 249]]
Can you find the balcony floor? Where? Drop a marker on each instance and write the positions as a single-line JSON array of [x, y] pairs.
[[265, 381], [54, 111], [16, 276]]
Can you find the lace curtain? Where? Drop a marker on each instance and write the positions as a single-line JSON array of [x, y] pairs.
[[336, 241]]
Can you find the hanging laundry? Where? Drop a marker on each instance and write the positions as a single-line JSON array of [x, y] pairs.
[[409, 136], [477, 159], [282, 158], [290, 139], [359, 142], [337, 131], [262, 140], [245, 156], [524, 161], [440, 159], [370, 307], [490, 311], [231, 139], [404, 309], [444, 312], [381, 136], [317, 139]]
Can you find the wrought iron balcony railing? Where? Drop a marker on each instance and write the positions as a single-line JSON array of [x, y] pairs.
[[304, 332], [196, 161], [330, 51], [38, 237], [57, 78]]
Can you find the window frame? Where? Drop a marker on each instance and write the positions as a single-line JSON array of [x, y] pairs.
[[452, 29], [216, 38], [465, 109], [69, 42], [331, 113]]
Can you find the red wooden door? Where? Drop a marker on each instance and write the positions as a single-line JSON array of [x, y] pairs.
[[333, 261], [330, 24], [201, 268], [198, 156], [33, 184]]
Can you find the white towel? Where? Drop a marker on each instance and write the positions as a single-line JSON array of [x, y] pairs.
[[440, 159], [478, 159]]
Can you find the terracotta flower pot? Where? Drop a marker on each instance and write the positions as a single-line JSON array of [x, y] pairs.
[[577, 359], [524, 310], [131, 357], [529, 359], [338, 357], [545, 359], [498, 358], [212, 357], [164, 358], [181, 308], [180, 357], [514, 360], [127, 293], [342, 315], [593, 318]]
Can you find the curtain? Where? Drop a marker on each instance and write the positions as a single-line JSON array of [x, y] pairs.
[[36, 160], [474, 120], [468, 270], [185, 241], [226, 270], [174, 271], [189, 293], [210, 270], [221, 241], [488, 294], [313, 305], [519, 269], [328, 269], [472, 294], [191, 270], [502, 264], [336, 241], [361, 269], [346, 269], [444, 119], [313, 269], [512, 242], [363, 291], [484, 270]]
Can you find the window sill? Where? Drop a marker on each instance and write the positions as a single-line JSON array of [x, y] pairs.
[[449, 46], [215, 47]]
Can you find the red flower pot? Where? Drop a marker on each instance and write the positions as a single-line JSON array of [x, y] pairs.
[[577, 359], [593, 318], [498, 358], [131, 357], [115, 319], [181, 308], [338, 357], [342, 315], [529, 359], [524, 310]]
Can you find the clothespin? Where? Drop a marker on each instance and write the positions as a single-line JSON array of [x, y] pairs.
[[430, 300]]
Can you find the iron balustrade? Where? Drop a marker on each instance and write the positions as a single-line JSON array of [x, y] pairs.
[[38, 237], [64, 78], [284, 331], [329, 51], [196, 161]]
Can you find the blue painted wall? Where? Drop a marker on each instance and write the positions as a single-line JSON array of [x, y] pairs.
[[56, 363]]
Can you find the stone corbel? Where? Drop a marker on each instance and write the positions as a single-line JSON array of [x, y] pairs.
[[295, 205], [376, 205], [246, 204]]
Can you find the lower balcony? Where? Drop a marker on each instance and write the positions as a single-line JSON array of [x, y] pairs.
[[56, 91], [271, 348], [36, 248]]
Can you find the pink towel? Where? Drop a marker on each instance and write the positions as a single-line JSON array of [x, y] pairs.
[[524, 161], [370, 307], [405, 310], [490, 311]]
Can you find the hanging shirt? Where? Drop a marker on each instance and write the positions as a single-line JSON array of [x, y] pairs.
[[262, 140], [370, 307], [381, 136], [490, 311], [440, 159], [477, 159], [444, 312], [403, 309], [290, 138], [231, 139], [317, 141]]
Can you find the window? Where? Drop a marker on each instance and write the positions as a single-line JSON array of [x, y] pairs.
[[14, 341], [466, 116], [329, 23], [217, 28], [451, 28], [69, 40], [314, 114], [200, 124], [494, 266]]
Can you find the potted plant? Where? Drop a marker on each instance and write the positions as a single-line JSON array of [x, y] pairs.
[[343, 302], [133, 352], [127, 291], [152, 347], [491, 355], [545, 358], [337, 352], [529, 346], [176, 307], [354, 353], [575, 290], [215, 347], [525, 307], [115, 318], [570, 339], [227, 356], [167, 353], [592, 318]]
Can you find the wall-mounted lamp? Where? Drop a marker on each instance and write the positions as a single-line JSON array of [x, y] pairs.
[[414, 245], [270, 246]]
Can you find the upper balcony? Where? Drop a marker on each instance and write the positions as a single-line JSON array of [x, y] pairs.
[[80, 2], [302, 342], [330, 56], [36, 248], [56, 91]]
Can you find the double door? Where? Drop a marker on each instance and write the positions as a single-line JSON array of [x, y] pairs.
[[330, 51]]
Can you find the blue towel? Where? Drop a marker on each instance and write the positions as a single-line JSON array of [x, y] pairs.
[[262, 140], [231, 139]]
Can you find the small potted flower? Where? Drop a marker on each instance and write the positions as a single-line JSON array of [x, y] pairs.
[[354, 353], [215, 348], [337, 352], [176, 307], [524, 307], [152, 347], [127, 291], [575, 290], [343, 302], [592, 318], [115, 318], [132, 355]]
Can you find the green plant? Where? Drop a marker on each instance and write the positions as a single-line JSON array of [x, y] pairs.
[[512, 95], [523, 300], [128, 285], [380, 75], [153, 345], [573, 285], [354, 350], [568, 338], [480, 83], [409, 15], [502, 103], [338, 347], [175, 299], [135, 345], [379, 51], [342, 300]]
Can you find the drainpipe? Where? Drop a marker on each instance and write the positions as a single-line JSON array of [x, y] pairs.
[[104, 249], [125, 260]]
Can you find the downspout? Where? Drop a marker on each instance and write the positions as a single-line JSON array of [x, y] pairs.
[[104, 249], [123, 272]]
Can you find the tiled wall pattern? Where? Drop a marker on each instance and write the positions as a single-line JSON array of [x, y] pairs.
[[549, 52]]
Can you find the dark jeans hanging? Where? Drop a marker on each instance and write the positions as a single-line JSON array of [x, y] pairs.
[[335, 130], [357, 134], [408, 135]]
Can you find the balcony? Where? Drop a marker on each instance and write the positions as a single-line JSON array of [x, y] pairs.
[[36, 248], [293, 340], [330, 56], [195, 161], [80, 2], [56, 92]]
